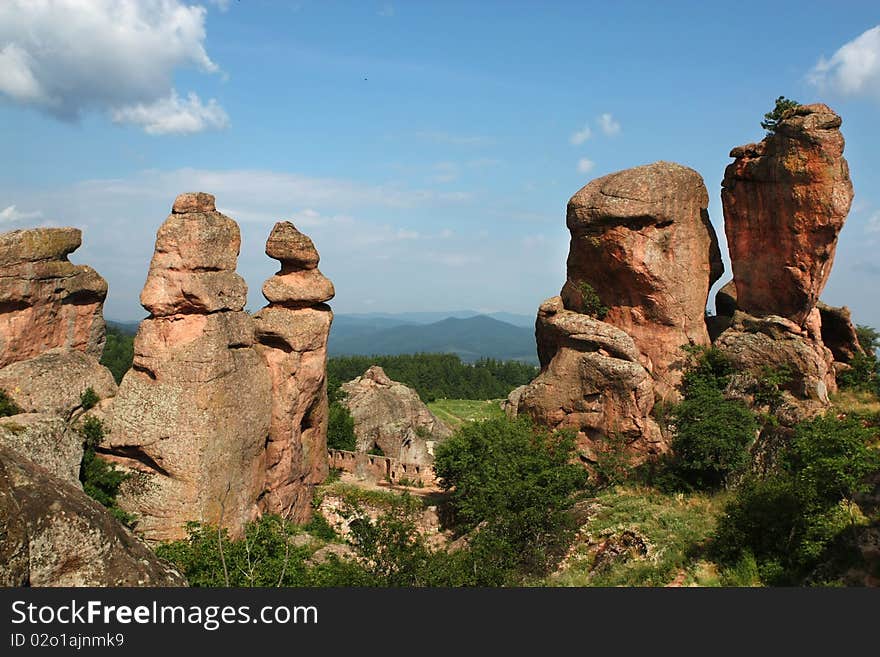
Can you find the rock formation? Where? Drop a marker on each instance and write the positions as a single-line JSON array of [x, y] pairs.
[[390, 415], [47, 440], [192, 415], [760, 344], [53, 534], [53, 381], [785, 201], [642, 240], [643, 256], [46, 301], [292, 333], [591, 381], [838, 332]]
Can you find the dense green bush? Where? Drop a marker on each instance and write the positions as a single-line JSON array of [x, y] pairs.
[[264, 557], [862, 374], [118, 352], [340, 428], [785, 522], [101, 480], [436, 376], [7, 406], [712, 437], [712, 434], [515, 483]]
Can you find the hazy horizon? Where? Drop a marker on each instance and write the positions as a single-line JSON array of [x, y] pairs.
[[428, 149]]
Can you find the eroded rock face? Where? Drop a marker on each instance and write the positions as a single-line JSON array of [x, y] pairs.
[[592, 382], [641, 238], [292, 333], [47, 302], [192, 415], [391, 416], [53, 381], [785, 201], [46, 440], [754, 344], [838, 332], [55, 535]]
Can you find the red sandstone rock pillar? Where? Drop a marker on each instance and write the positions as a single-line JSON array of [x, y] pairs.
[[292, 333], [785, 201]]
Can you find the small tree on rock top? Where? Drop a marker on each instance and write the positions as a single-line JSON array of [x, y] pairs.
[[773, 117]]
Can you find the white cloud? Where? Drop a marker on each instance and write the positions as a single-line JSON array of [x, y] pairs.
[[873, 223], [581, 136], [585, 165], [222, 5], [609, 125], [10, 214], [174, 116], [66, 57], [387, 10], [854, 69]]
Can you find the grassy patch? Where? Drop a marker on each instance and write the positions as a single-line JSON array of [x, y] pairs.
[[455, 412], [675, 527], [860, 402]]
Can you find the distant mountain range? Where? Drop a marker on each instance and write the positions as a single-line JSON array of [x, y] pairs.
[[471, 335], [526, 321], [472, 338]]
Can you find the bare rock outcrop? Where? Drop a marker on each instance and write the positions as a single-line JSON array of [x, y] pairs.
[[642, 240], [591, 381], [760, 344], [47, 302], [390, 415], [785, 201], [192, 415], [55, 535], [54, 381], [47, 440], [838, 332], [292, 333]]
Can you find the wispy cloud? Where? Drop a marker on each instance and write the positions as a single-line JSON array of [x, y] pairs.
[[174, 116], [386, 10], [581, 135], [10, 214], [854, 69], [873, 225], [585, 166], [609, 125]]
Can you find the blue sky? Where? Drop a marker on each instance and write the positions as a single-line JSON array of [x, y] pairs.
[[428, 148]]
